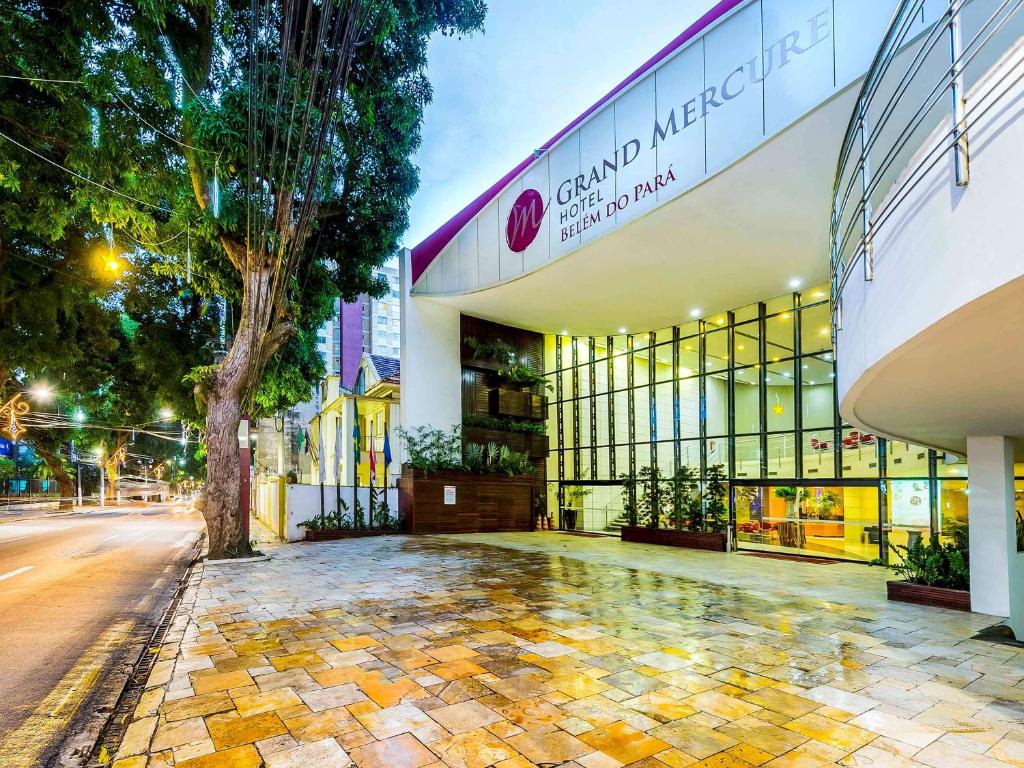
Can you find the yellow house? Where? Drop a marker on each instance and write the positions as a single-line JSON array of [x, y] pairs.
[[369, 414]]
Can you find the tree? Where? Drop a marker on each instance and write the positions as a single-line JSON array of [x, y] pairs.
[[276, 136], [297, 122]]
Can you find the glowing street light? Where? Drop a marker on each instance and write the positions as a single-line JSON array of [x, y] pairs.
[[80, 416], [42, 392], [166, 414]]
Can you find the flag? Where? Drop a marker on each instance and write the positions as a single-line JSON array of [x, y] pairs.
[[373, 461], [387, 449], [356, 437], [337, 450], [322, 458]]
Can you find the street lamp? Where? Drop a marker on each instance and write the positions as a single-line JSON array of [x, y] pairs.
[[42, 392], [166, 414], [80, 416]]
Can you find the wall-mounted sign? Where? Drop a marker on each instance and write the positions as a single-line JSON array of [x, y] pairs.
[[524, 220], [449, 495], [910, 507]]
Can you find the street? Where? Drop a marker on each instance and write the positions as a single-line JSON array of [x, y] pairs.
[[77, 594]]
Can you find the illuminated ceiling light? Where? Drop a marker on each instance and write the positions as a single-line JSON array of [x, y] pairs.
[[818, 294], [785, 315], [622, 330], [831, 375], [695, 312], [794, 283], [828, 356], [823, 331], [784, 373], [564, 333], [814, 382], [775, 359], [684, 372], [741, 347], [720, 321], [688, 348]]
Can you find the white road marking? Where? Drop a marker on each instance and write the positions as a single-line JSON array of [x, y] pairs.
[[108, 538], [70, 552], [12, 574], [19, 538]]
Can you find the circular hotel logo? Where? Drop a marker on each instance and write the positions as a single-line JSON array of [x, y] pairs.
[[524, 220]]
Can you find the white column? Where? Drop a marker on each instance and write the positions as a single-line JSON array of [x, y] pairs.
[[431, 363], [992, 523]]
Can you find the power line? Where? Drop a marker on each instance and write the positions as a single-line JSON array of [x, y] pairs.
[[104, 187], [40, 79]]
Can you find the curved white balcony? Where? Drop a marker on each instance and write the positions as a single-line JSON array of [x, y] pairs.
[[927, 267]]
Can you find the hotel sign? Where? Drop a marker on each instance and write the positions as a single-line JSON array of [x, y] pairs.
[[691, 114]]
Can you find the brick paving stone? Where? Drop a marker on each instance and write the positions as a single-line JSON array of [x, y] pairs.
[[513, 650]]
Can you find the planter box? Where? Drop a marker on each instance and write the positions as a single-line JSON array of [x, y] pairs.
[[519, 405], [482, 503], [337, 535], [712, 542], [538, 446], [921, 594]]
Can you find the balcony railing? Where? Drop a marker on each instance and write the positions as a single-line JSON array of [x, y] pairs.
[[928, 85]]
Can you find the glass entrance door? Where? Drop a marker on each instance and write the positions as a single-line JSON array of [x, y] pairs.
[[823, 521]]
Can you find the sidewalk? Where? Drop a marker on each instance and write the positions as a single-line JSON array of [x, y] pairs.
[[469, 652]]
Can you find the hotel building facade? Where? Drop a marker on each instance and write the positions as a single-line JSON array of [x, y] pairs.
[[788, 247]]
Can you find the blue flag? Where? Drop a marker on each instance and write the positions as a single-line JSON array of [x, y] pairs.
[[387, 448], [356, 438]]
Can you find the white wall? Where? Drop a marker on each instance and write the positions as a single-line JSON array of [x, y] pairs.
[[431, 363], [303, 503], [944, 247]]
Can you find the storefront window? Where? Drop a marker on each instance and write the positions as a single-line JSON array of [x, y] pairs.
[[826, 521], [757, 397]]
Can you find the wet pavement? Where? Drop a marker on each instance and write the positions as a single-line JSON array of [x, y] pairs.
[[518, 650]]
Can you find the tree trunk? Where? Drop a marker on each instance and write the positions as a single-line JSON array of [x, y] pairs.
[[219, 503], [259, 335], [64, 480]]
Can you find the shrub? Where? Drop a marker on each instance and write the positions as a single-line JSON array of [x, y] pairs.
[[936, 564], [433, 450], [629, 501]]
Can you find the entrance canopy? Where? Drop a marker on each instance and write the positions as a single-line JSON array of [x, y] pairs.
[[702, 182]]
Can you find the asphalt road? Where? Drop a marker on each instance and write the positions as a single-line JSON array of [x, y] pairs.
[[78, 593]]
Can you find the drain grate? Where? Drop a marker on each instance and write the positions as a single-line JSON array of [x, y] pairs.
[[113, 732]]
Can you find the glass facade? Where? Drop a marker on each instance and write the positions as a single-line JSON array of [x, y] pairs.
[[753, 390]]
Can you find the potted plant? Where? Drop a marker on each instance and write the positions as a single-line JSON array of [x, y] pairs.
[[792, 496], [698, 521], [934, 573], [574, 498]]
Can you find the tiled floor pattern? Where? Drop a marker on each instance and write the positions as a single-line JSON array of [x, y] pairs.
[[473, 652]]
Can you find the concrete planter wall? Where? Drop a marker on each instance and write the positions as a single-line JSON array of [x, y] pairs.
[[922, 594], [712, 542]]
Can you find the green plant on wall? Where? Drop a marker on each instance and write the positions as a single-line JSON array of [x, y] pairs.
[[521, 375], [716, 491], [493, 350], [505, 424], [629, 500]]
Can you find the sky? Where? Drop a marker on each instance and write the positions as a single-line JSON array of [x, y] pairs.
[[535, 68]]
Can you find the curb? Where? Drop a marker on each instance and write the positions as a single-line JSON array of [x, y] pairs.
[[111, 732]]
